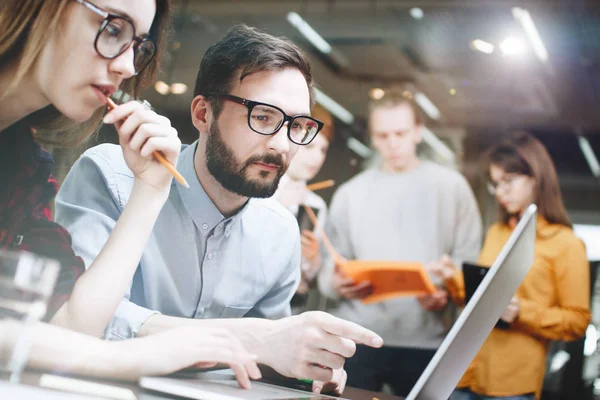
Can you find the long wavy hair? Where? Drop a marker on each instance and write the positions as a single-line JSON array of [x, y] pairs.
[[25, 26]]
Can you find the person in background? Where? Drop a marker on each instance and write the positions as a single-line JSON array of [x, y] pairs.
[[406, 209], [293, 195], [59, 62], [553, 302]]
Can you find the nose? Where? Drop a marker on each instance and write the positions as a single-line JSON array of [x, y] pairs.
[[123, 64], [279, 141]]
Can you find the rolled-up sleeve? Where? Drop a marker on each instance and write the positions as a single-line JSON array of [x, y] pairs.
[[88, 205]]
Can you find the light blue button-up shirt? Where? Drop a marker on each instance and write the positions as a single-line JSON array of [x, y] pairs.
[[197, 263]]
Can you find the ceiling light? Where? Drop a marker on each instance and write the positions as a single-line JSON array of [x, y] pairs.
[[334, 107], [437, 145], [309, 33], [408, 94], [359, 147], [416, 13], [482, 46], [512, 46], [179, 88], [452, 91], [376, 93], [162, 88], [427, 106], [524, 18], [589, 155]]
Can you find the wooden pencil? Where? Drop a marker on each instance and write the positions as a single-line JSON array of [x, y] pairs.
[[321, 185]]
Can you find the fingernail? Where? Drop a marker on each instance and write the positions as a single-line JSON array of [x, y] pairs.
[[317, 391], [253, 357], [377, 341], [107, 119]]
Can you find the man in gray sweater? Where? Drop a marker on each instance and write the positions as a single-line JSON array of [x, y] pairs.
[[405, 210]]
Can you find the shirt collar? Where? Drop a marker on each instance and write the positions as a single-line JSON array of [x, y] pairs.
[[199, 206]]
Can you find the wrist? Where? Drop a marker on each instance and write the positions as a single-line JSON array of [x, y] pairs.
[[150, 193], [256, 339]]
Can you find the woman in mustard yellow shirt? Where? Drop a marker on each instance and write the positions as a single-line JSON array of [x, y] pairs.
[[553, 301]]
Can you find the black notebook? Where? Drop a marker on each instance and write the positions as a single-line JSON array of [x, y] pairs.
[[304, 220], [474, 274]]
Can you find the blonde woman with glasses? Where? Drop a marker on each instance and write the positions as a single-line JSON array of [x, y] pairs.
[[60, 61]]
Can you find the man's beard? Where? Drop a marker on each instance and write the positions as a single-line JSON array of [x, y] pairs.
[[231, 174]]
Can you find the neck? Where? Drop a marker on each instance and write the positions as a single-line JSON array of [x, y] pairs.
[[23, 99], [227, 203], [406, 167]]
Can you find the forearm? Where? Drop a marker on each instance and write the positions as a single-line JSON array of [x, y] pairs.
[[552, 323], [98, 292], [63, 351], [250, 331]]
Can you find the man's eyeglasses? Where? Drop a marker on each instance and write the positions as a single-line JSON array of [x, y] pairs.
[[267, 119], [115, 36]]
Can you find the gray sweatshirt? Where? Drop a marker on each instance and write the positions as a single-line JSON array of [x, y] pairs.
[[418, 215]]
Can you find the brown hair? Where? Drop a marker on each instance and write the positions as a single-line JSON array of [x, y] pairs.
[[325, 117], [245, 51], [394, 99], [25, 26], [523, 154]]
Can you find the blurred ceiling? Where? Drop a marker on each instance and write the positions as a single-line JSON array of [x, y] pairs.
[[379, 44]]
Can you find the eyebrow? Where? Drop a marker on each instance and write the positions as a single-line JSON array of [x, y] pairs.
[[124, 14]]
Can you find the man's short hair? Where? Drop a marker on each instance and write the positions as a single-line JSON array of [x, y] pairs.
[[393, 99], [245, 51]]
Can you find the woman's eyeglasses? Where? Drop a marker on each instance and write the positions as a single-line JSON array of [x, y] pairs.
[[116, 34]]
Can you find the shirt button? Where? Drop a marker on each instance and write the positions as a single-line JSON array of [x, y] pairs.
[[210, 256], [205, 226]]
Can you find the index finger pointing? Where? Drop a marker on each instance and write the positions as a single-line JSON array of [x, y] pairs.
[[350, 330]]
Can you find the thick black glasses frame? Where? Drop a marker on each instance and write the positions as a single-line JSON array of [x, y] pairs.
[[286, 118]]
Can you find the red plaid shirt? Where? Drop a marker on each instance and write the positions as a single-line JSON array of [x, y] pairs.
[[27, 190]]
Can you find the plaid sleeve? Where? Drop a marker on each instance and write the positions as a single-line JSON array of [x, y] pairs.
[[49, 239]]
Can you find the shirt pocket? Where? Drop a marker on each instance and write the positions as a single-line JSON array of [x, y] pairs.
[[234, 312]]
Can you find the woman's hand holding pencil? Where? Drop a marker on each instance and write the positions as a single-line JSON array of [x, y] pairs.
[[150, 145]]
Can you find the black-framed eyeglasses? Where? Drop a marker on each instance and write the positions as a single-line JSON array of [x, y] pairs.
[[115, 36], [267, 119]]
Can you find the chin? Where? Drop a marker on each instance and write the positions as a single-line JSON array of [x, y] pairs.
[[81, 114]]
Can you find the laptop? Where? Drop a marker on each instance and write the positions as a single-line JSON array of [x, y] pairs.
[[448, 364]]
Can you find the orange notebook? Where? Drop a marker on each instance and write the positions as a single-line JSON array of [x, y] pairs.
[[390, 278]]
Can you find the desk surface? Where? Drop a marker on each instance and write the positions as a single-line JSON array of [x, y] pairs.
[[31, 389]]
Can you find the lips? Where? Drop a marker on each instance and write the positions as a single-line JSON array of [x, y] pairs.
[[269, 167], [104, 91]]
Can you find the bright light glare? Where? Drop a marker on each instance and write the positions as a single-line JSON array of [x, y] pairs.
[[524, 18], [512, 46], [482, 46]]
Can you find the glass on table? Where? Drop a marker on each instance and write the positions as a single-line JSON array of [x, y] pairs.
[[26, 283]]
